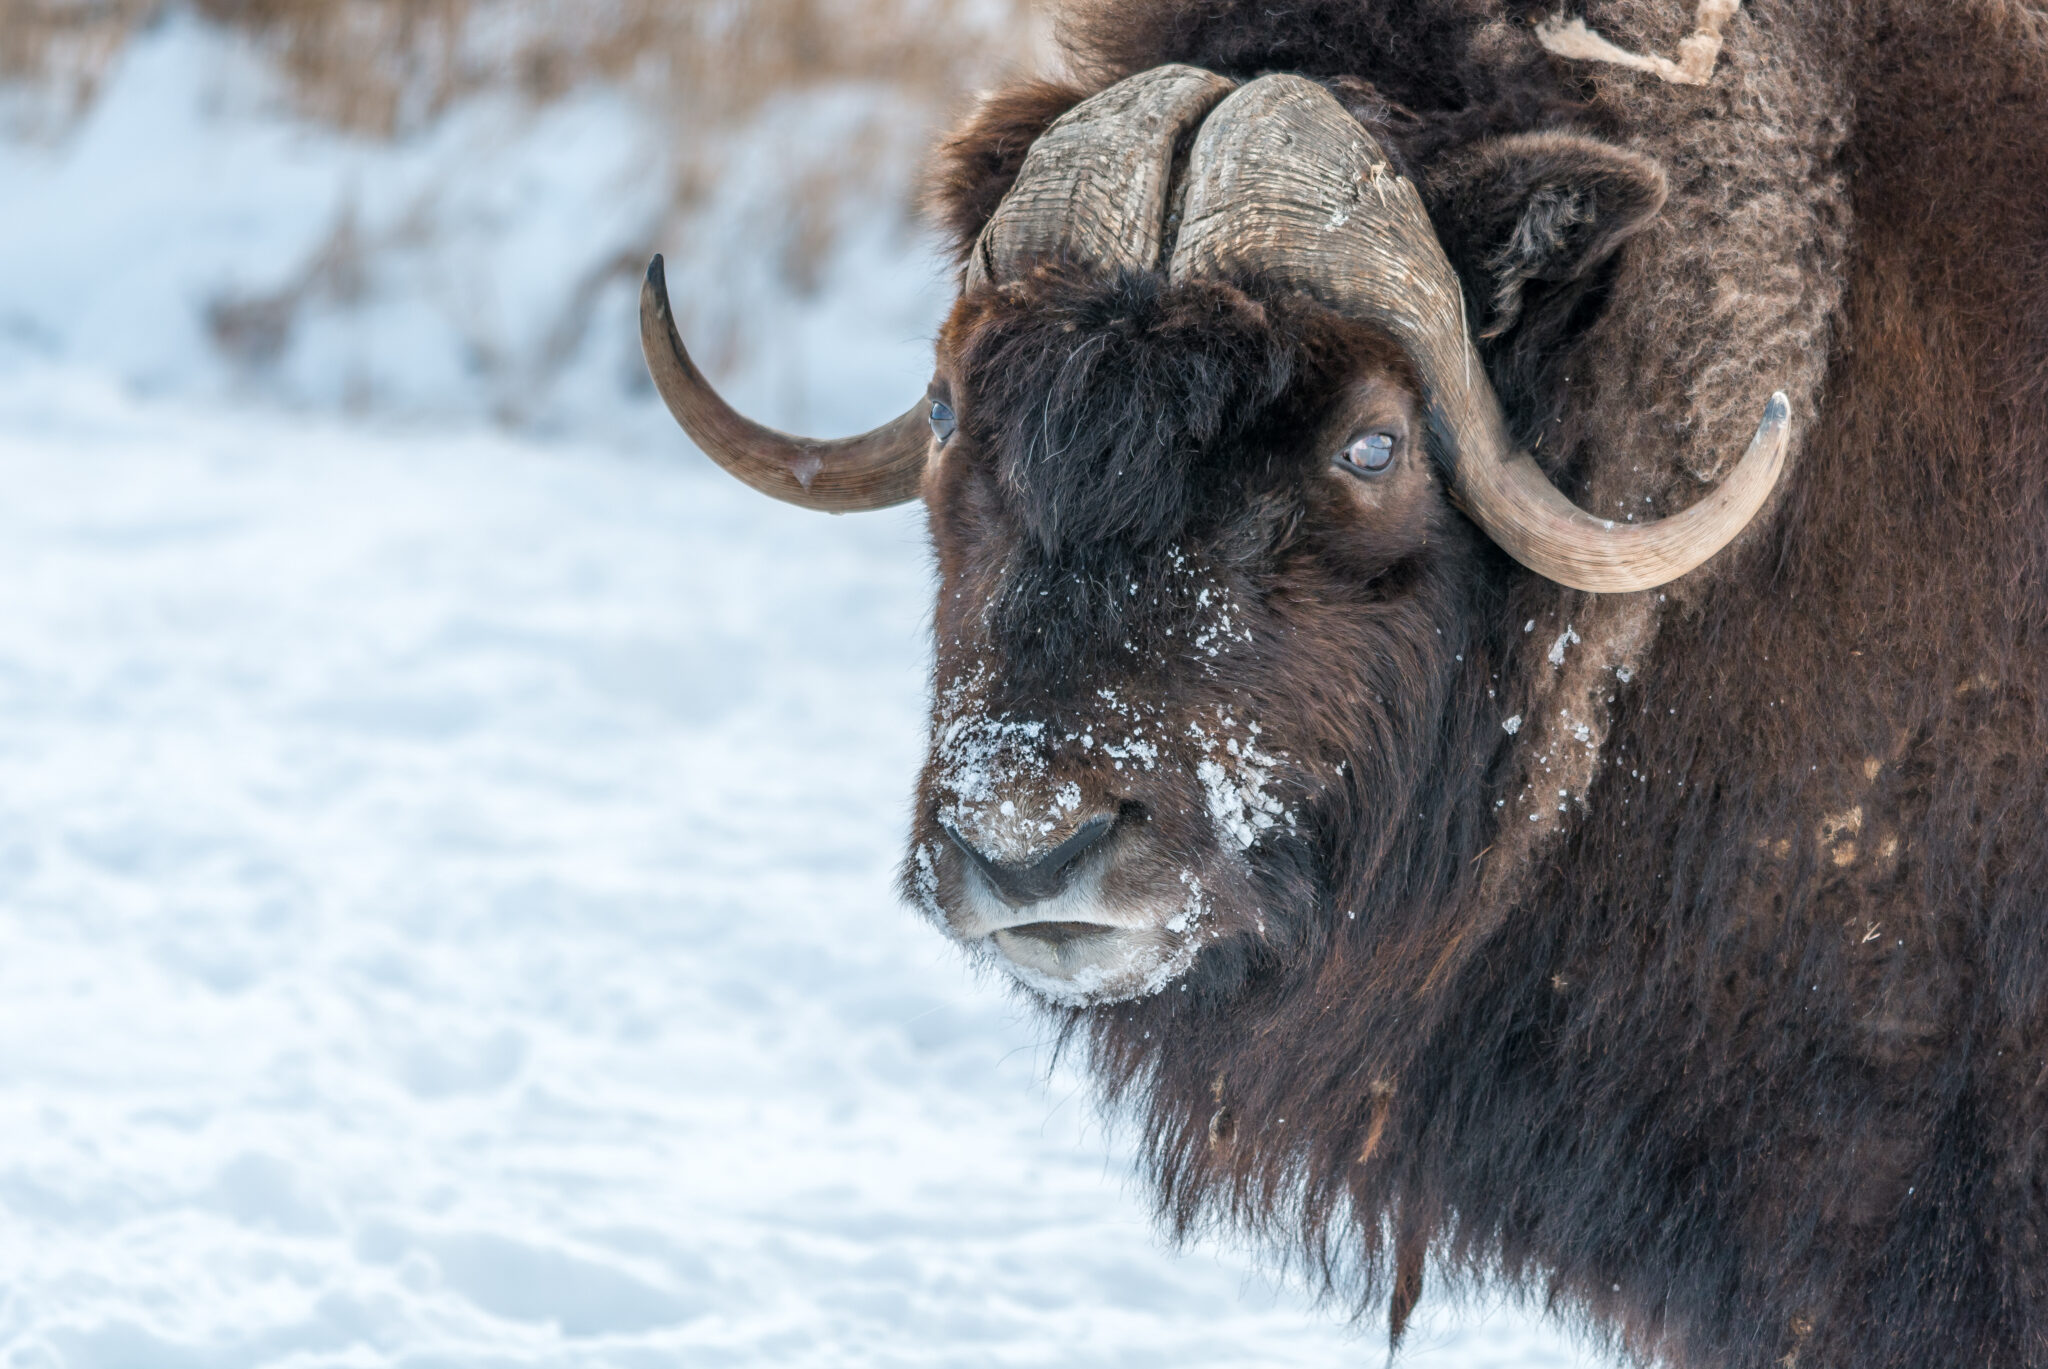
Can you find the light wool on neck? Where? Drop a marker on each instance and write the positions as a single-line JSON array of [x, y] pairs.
[[1697, 52]]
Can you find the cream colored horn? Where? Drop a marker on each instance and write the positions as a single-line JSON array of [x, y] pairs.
[[844, 475], [1093, 187], [1283, 181]]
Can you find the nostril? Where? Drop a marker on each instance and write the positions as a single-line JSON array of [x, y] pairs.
[[1040, 875]]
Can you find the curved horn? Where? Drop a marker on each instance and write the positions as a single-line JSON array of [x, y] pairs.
[[1283, 181], [844, 475], [1094, 186]]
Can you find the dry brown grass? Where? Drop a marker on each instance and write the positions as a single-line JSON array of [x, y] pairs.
[[386, 67], [380, 66], [65, 46]]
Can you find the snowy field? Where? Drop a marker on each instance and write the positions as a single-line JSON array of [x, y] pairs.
[[446, 909], [446, 918]]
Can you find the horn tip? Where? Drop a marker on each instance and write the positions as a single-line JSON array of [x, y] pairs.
[[655, 290], [655, 310], [1778, 412]]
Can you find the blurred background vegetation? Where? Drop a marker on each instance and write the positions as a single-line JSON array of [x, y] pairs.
[[776, 130], [375, 65]]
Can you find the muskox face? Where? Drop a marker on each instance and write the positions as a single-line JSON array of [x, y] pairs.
[[1211, 462], [1190, 538]]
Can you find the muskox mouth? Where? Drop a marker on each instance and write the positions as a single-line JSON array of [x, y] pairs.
[[1091, 962], [1060, 934], [1081, 946]]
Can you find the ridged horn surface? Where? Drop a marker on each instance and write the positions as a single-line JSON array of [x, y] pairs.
[[1094, 186], [842, 475], [1281, 180]]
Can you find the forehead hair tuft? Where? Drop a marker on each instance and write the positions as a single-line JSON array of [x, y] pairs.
[[1132, 411]]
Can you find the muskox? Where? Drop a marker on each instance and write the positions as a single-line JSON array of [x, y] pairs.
[[1490, 634]]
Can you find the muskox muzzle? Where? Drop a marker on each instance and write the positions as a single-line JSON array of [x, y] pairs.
[[1280, 180]]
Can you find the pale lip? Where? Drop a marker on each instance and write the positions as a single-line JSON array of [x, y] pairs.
[[1077, 947]]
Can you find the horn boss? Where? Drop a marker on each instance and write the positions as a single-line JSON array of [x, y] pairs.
[[1280, 181]]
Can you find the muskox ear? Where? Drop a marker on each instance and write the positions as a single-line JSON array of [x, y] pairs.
[[1536, 210], [977, 162]]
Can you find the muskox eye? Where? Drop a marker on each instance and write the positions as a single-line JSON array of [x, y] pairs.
[[943, 422], [1368, 455]]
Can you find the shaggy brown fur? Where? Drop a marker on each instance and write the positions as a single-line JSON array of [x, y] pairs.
[[1713, 1002]]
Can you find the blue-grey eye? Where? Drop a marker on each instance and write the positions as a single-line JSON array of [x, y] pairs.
[[1370, 454], [943, 422]]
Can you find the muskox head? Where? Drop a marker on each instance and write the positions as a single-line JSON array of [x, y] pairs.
[[1214, 475]]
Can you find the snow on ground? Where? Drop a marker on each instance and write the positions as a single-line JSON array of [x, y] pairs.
[[446, 909], [446, 919]]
